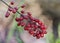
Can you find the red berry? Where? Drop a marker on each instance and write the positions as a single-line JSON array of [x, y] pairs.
[[42, 35], [22, 11], [26, 28], [34, 34], [31, 18], [22, 24], [21, 18], [10, 9], [17, 19], [40, 23], [38, 36], [26, 17], [43, 27], [29, 13], [28, 25], [19, 24], [35, 26], [22, 6], [14, 10], [44, 32], [39, 26], [12, 3], [36, 20], [31, 32], [32, 25], [7, 14]]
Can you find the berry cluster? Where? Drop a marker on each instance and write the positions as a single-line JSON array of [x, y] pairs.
[[34, 26]]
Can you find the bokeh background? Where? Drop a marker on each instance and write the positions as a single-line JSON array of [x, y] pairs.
[[48, 11]]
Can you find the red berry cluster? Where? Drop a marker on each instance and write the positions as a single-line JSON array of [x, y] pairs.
[[34, 26]]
